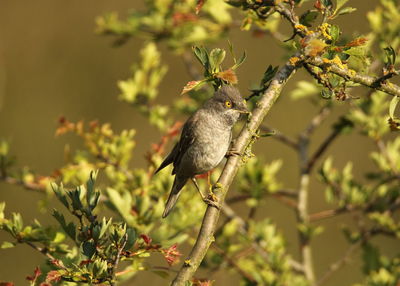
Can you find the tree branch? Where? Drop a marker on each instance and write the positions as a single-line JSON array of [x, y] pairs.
[[348, 74], [247, 134], [280, 136]]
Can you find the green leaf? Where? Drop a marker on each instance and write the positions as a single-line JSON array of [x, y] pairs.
[[340, 4], [334, 31], [59, 190], [304, 89], [68, 228], [346, 10], [308, 18], [370, 258], [202, 55], [269, 74], [393, 104], [217, 56], [88, 248], [92, 196], [132, 237], [326, 93], [240, 61], [390, 55], [7, 244]]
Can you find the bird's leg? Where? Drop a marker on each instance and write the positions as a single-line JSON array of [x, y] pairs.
[[232, 151], [209, 200], [211, 194]]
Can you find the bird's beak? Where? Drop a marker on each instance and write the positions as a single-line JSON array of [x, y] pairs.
[[242, 108]]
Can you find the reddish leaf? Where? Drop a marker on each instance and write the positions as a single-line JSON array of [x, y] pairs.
[[6, 284], [36, 274], [357, 42], [199, 5], [171, 254], [57, 263], [85, 262], [53, 276], [191, 85], [146, 238], [180, 18], [228, 75]]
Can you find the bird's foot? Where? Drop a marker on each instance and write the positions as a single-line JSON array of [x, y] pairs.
[[232, 152], [212, 200]]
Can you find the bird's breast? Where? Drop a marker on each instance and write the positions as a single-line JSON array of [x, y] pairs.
[[210, 147]]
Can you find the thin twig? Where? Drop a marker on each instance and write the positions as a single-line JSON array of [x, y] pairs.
[[277, 135], [243, 228], [322, 148], [338, 264], [233, 263], [247, 134], [316, 121], [31, 186]]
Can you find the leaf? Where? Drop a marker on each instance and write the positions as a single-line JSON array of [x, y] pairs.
[[199, 5], [217, 56], [393, 104], [390, 55], [240, 61], [269, 74], [202, 55], [192, 85], [88, 248], [340, 4], [132, 237], [326, 93], [68, 228], [53, 276], [304, 89], [228, 76], [334, 32], [346, 10], [370, 258], [308, 17], [61, 197], [92, 196], [315, 47], [7, 244], [357, 42]]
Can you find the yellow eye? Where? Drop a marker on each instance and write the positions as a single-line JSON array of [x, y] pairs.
[[228, 104]]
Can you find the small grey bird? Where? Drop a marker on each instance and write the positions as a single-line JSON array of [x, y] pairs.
[[204, 140]]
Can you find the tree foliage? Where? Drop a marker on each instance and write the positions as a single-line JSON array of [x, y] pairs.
[[107, 231]]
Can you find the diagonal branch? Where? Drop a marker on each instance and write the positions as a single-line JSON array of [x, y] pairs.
[[351, 75], [246, 136]]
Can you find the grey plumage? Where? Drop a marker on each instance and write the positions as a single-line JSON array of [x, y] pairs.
[[204, 140]]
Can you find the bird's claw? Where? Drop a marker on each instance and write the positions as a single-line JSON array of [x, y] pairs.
[[212, 201], [232, 152]]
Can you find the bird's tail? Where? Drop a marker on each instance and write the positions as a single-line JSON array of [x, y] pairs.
[[174, 195]]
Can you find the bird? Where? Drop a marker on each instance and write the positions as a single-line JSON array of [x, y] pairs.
[[204, 141]]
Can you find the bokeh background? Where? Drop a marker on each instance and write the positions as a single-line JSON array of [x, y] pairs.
[[53, 64]]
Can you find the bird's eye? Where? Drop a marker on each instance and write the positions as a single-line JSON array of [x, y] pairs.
[[228, 104]]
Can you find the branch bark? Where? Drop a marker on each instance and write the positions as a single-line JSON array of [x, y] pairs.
[[210, 219], [366, 80]]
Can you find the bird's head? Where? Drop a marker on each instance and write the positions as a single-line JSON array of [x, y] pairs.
[[228, 102]]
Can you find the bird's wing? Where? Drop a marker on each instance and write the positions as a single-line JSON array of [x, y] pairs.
[[180, 147], [187, 139]]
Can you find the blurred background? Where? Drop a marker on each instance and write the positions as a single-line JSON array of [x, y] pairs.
[[53, 64]]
